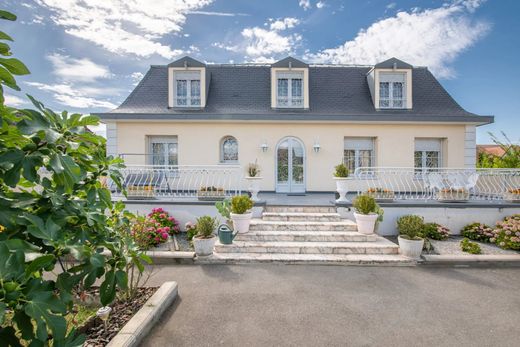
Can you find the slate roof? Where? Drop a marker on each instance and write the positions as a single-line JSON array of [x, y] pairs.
[[243, 92]]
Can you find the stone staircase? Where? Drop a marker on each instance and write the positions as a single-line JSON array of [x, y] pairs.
[[310, 235]]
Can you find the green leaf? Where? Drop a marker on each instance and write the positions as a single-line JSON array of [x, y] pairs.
[[3, 308], [107, 289], [39, 263], [4, 36], [122, 279], [8, 79], [24, 325], [15, 66], [8, 336], [30, 166], [104, 197], [5, 49], [7, 15], [48, 232], [42, 307], [11, 266], [97, 260], [11, 161], [67, 171]]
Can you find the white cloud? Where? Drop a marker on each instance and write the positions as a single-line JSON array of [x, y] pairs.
[[136, 77], [81, 70], [305, 4], [218, 14], [124, 27], [320, 4], [391, 5], [77, 97], [13, 101], [285, 23], [431, 37]]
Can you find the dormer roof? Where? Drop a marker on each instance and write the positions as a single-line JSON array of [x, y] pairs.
[[186, 62], [393, 63], [290, 62]]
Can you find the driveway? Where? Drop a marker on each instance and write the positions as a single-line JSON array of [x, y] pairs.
[[284, 305]]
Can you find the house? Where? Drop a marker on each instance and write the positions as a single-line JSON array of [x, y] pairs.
[[297, 120]]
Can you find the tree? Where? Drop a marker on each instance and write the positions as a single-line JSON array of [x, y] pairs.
[[510, 158]]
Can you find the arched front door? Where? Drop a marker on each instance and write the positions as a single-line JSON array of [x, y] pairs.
[[290, 166]]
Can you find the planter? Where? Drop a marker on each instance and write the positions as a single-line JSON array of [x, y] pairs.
[[140, 192], [254, 187], [410, 248], [342, 188], [512, 195], [381, 195], [204, 247], [366, 222], [453, 195], [241, 222], [211, 194]]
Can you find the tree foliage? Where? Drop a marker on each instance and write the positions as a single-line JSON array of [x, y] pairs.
[[54, 208], [510, 158]]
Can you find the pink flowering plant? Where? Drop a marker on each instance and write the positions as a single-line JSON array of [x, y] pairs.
[[477, 232], [506, 234], [165, 220], [191, 230], [436, 231], [148, 233]]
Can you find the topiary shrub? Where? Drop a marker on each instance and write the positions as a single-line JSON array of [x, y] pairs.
[[477, 232], [341, 170], [507, 233], [365, 204], [206, 225], [410, 227], [436, 231], [470, 247], [240, 204]]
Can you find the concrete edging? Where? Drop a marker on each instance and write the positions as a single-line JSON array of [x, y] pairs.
[[141, 323], [470, 258], [171, 257]]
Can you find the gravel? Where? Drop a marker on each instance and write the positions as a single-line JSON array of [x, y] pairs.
[[452, 246]]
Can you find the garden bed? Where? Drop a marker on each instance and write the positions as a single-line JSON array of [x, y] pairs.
[[122, 312], [451, 246]]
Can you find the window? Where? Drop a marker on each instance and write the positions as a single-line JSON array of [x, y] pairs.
[[229, 150], [392, 90], [187, 89], [289, 90], [358, 152], [163, 150], [428, 153]]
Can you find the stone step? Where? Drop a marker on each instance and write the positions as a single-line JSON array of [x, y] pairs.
[[301, 209], [306, 236], [301, 216], [381, 246], [343, 225], [308, 259]]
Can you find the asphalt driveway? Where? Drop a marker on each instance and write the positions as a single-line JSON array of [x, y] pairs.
[[294, 305]]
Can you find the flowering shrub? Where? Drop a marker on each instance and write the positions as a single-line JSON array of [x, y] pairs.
[[165, 220], [148, 233], [507, 233], [470, 247], [477, 232], [436, 231], [191, 230]]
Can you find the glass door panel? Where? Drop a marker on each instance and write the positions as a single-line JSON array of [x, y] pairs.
[[290, 171]]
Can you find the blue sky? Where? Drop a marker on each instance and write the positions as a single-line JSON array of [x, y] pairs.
[[87, 55]]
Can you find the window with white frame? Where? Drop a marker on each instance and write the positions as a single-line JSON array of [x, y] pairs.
[[392, 90], [428, 153], [163, 150], [229, 150], [187, 89], [289, 89], [358, 152]]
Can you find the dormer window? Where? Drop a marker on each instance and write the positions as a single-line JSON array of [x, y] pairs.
[[392, 90], [289, 90], [187, 89]]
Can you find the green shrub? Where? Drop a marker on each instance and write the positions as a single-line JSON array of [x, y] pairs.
[[410, 227], [507, 233], [365, 204], [435, 231], [240, 204], [477, 232], [341, 170], [206, 225], [470, 247]]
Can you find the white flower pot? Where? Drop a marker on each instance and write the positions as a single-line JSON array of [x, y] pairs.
[[366, 222], [410, 248], [342, 188], [204, 247], [241, 222], [254, 187]]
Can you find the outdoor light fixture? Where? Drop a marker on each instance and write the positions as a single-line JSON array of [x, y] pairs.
[[316, 146], [103, 313], [264, 146]]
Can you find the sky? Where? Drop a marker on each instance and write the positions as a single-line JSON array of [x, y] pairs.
[[86, 56]]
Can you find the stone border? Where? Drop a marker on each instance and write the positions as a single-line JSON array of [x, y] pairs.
[[136, 329], [471, 258], [171, 257]]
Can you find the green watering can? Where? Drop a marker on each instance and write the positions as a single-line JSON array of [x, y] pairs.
[[225, 234]]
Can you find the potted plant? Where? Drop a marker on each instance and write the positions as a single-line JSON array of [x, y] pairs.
[[241, 214], [367, 212], [411, 240], [253, 178], [204, 240], [341, 177], [512, 195]]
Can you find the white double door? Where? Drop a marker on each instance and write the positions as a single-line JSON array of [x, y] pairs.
[[290, 166]]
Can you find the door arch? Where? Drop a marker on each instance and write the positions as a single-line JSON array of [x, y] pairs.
[[290, 171]]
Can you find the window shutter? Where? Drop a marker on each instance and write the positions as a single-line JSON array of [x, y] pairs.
[[361, 143], [392, 77], [428, 145]]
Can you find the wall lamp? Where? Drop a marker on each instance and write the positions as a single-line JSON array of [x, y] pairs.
[[264, 146], [316, 147]]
